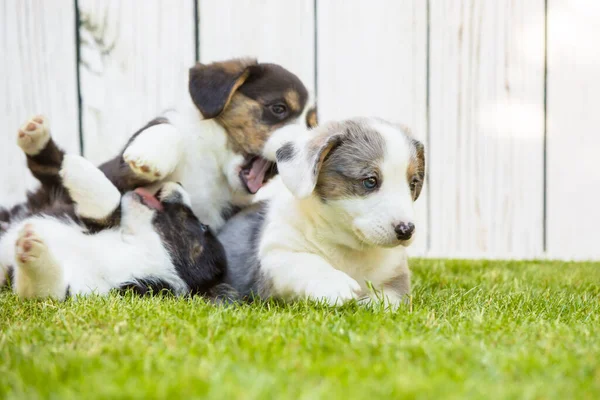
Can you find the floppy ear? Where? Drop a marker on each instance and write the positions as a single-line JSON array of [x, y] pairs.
[[312, 120], [299, 161], [211, 86], [419, 168]]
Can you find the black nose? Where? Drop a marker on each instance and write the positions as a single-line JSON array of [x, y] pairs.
[[404, 230]]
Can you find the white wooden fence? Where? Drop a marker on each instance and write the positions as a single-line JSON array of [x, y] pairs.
[[506, 95]]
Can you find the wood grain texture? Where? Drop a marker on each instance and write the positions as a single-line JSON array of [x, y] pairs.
[[372, 62], [37, 75], [487, 128], [573, 135], [274, 31], [135, 57]]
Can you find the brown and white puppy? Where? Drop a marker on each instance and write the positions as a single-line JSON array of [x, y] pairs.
[[343, 222], [212, 143]]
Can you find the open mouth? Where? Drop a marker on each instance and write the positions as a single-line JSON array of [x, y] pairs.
[[148, 199], [256, 172]]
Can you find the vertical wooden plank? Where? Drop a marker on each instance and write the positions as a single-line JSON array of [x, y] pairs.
[[135, 57], [37, 76], [274, 31], [372, 62], [573, 137], [487, 128]]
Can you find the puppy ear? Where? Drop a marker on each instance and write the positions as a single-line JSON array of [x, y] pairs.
[[312, 120], [211, 86], [299, 161], [418, 167]]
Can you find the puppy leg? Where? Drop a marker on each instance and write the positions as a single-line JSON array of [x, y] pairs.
[[154, 153], [44, 157], [304, 275], [37, 273], [95, 197]]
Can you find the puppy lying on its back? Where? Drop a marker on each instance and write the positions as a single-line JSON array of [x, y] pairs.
[[148, 242], [344, 220]]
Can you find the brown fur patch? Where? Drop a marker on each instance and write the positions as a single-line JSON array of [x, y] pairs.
[[250, 115], [415, 173], [234, 67], [312, 120], [245, 128], [293, 100]]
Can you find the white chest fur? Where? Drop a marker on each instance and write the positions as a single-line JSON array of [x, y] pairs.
[[207, 168], [300, 249]]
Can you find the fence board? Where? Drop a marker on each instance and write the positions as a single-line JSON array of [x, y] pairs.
[[135, 57], [275, 31], [37, 76], [372, 62], [573, 137], [487, 128]]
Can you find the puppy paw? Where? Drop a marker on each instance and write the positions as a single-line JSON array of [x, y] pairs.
[[153, 155], [94, 195], [31, 250], [34, 135], [142, 168], [36, 273], [336, 289]]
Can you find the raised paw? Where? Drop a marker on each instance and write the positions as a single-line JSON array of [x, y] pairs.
[[30, 248], [36, 272], [154, 153], [143, 168], [34, 135]]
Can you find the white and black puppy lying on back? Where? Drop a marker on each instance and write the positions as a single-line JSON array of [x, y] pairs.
[[148, 242], [344, 220], [212, 142]]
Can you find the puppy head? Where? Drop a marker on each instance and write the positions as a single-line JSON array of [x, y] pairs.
[[250, 100], [366, 172], [193, 248]]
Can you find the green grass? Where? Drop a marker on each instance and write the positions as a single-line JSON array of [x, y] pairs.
[[473, 329]]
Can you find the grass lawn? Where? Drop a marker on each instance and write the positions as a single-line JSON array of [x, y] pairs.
[[474, 329]]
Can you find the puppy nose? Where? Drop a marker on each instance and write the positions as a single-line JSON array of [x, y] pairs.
[[404, 230]]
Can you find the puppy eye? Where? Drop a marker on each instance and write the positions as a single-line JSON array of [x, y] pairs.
[[278, 109], [370, 183]]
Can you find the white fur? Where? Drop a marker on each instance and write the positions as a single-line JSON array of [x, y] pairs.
[[332, 250], [297, 173], [89, 263], [94, 195], [157, 150]]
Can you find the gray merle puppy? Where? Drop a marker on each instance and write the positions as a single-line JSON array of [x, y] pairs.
[[341, 224]]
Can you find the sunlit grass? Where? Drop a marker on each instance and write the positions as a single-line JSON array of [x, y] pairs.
[[473, 329]]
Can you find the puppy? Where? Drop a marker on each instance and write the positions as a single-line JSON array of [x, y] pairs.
[[212, 142], [343, 222], [157, 242]]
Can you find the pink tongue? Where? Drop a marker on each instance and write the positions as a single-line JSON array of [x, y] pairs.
[[149, 199], [256, 176]]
